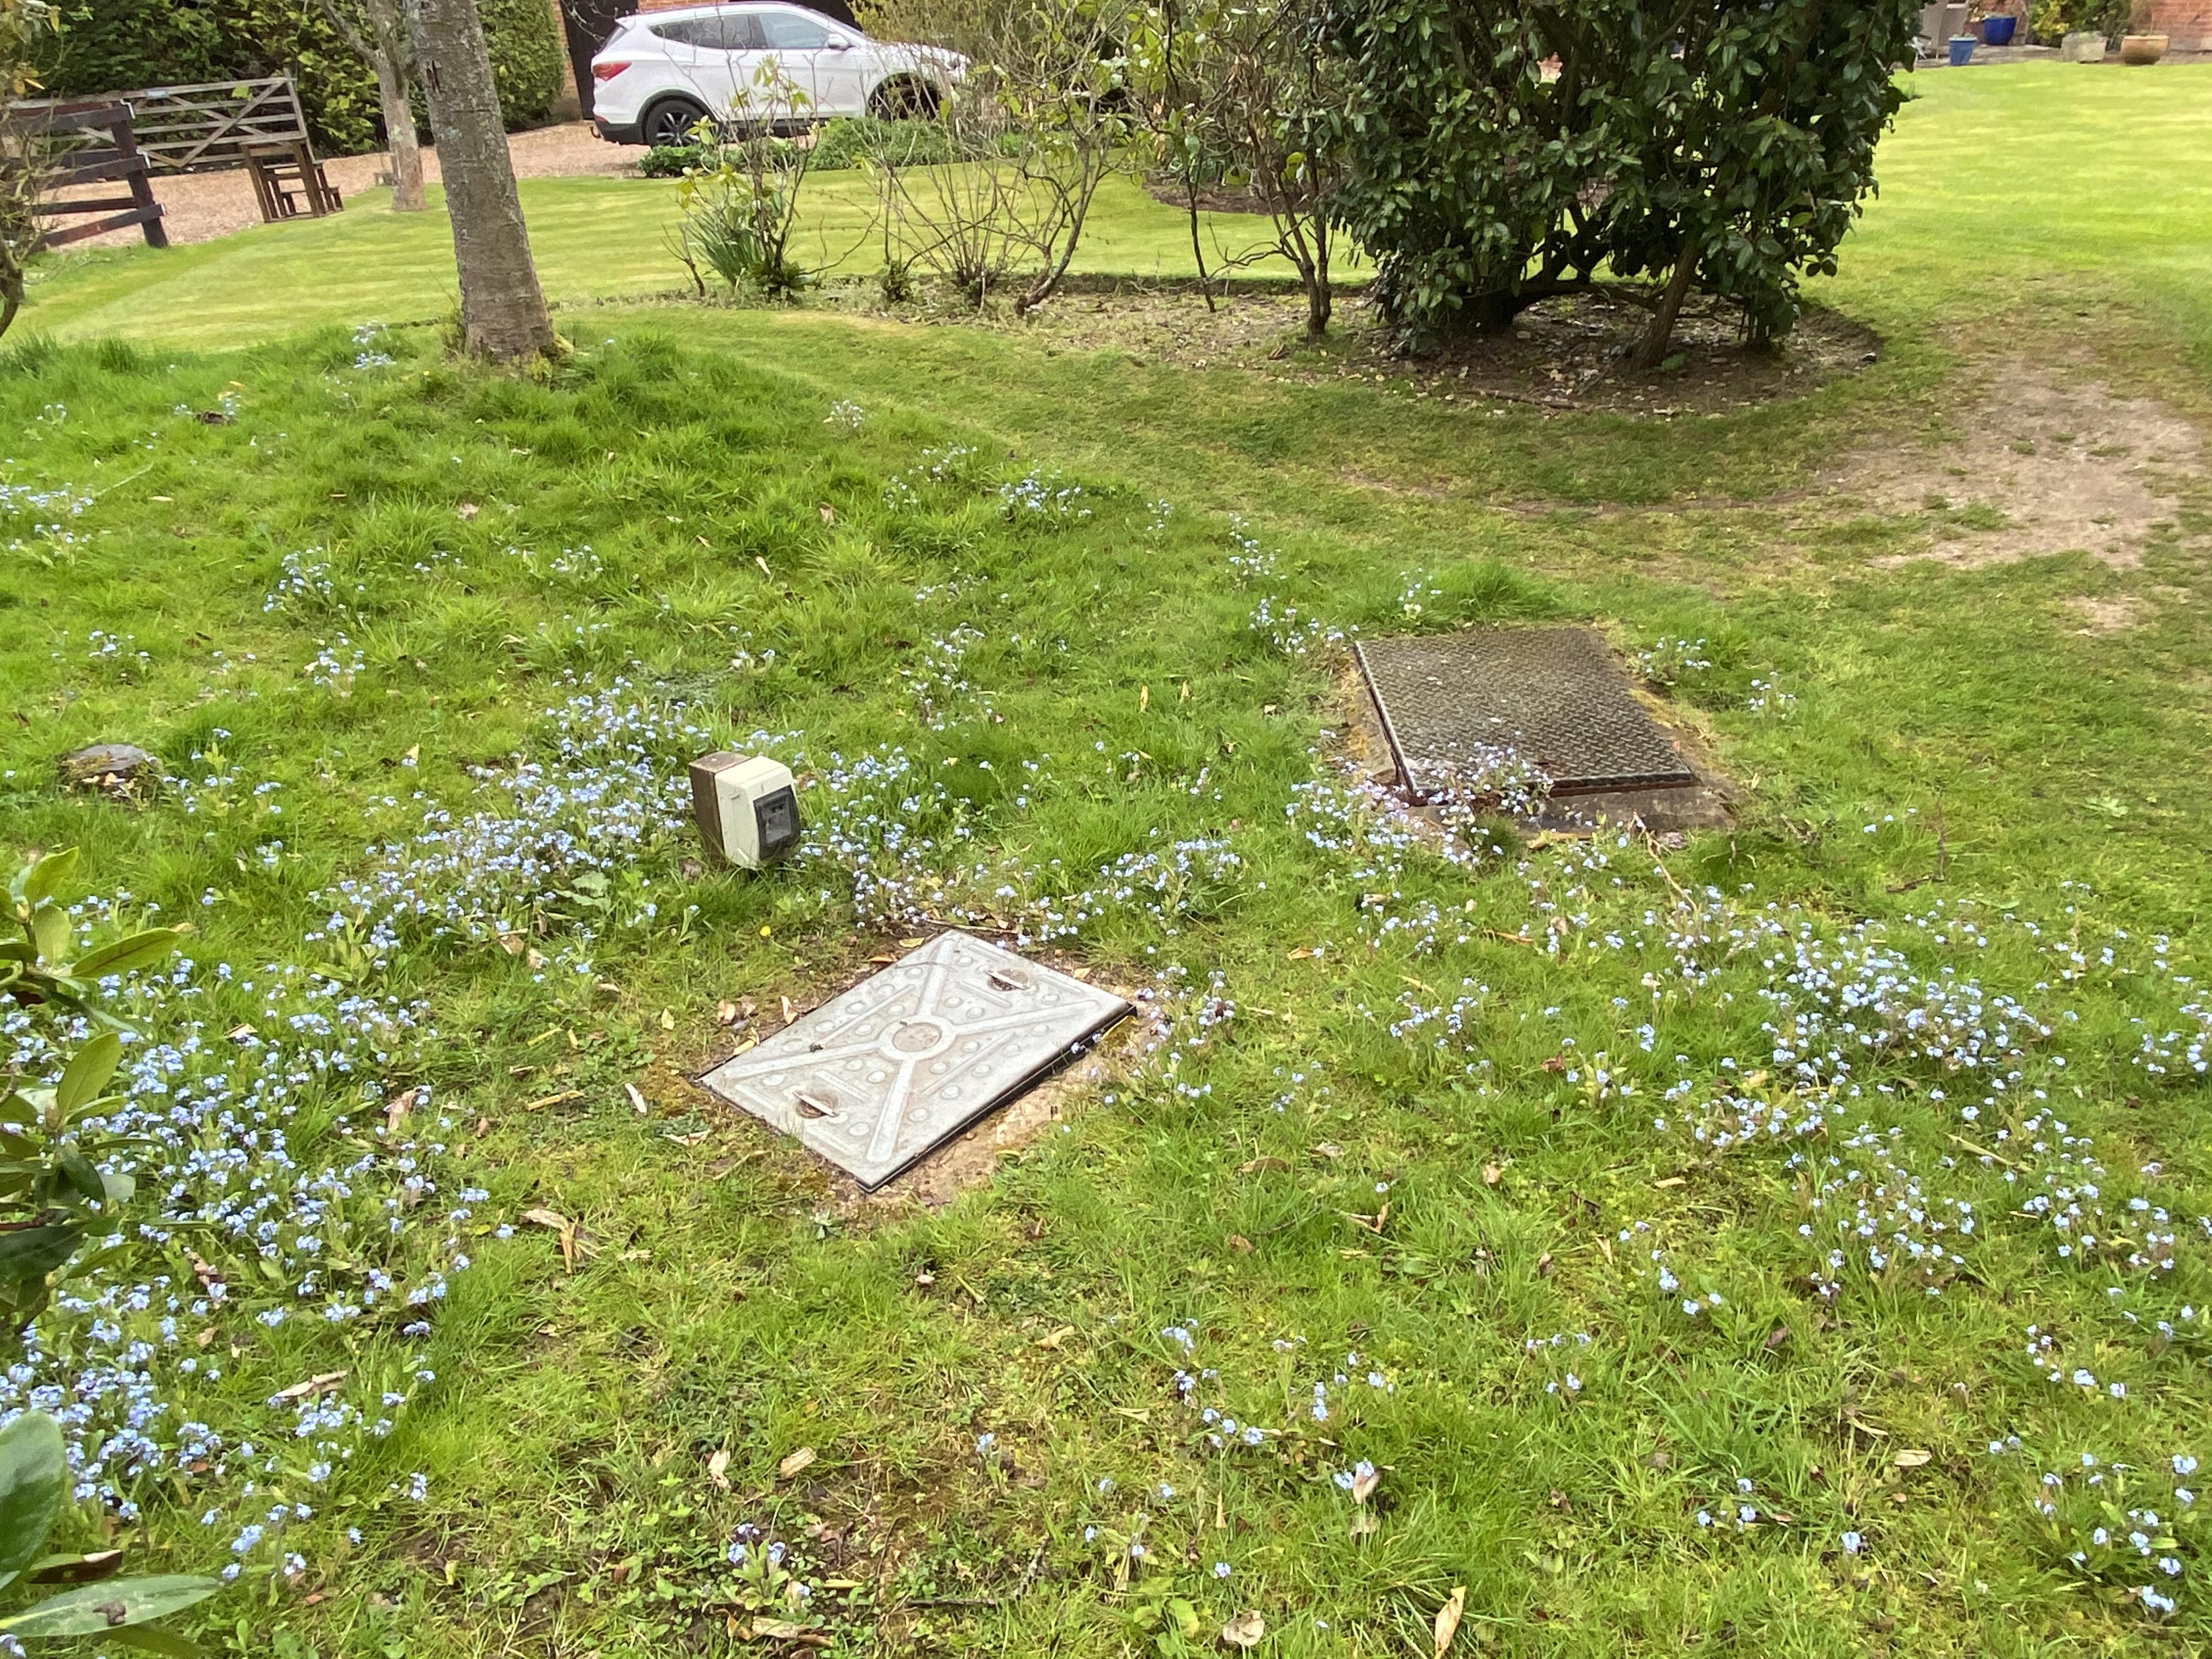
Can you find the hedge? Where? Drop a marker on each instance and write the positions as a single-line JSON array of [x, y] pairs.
[[116, 45]]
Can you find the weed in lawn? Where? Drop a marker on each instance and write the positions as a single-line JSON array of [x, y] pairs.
[[1412, 1100]]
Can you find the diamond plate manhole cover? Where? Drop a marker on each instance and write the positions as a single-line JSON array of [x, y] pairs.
[[877, 1076], [1551, 692]]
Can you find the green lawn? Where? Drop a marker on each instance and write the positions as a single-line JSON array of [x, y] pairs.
[[1849, 1168], [594, 239]]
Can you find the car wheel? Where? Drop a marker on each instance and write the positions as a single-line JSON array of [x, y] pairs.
[[904, 100], [670, 121]]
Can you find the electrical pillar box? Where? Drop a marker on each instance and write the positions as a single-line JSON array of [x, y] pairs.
[[747, 806]]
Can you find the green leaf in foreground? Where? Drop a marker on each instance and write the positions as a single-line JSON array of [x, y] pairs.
[[33, 1473], [97, 1609]]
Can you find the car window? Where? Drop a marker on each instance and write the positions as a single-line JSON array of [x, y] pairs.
[[786, 31], [724, 32]]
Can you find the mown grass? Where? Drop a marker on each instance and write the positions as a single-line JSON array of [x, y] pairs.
[[594, 239], [730, 1303]]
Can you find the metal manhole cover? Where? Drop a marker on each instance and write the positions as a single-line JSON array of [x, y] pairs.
[[1551, 692], [880, 1076]]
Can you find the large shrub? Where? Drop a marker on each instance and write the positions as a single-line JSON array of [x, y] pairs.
[[1495, 155], [113, 45]]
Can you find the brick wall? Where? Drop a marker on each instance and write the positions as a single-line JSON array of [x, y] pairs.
[[2188, 22]]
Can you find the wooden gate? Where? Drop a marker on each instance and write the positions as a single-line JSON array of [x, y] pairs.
[[86, 143], [216, 124]]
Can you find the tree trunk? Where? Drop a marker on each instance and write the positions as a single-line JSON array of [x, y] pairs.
[[1651, 350], [388, 51], [502, 308], [399, 137], [1320, 301], [393, 59]]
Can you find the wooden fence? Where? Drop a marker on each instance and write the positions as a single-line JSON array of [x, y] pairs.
[[88, 143], [212, 125]]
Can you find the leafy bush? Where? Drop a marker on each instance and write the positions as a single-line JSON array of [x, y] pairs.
[[1715, 145], [114, 45], [673, 160], [839, 146], [2051, 20], [740, 202], [845, 143], [56, 1149], [529, 58]]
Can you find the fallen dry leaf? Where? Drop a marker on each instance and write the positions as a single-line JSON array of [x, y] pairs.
[[1363, 1485], [1239, 1243], [1253, 1165], [1246, 1630], [1491, 1174], [797, 1464], [718, 1467], [1911, 1458], [1056, 1339], [725, 1013], [1448, 1618], [636, 1099], [313, 1385], [466, 510], [1364, 1522], [1327, 1149], [396, 1110], [562, 1228]]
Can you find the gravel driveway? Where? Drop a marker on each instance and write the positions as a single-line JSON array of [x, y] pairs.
[[198, 207]]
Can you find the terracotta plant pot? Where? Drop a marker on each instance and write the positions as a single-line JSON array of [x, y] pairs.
[[2142, 48]]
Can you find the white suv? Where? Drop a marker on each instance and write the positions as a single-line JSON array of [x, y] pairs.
[[659, 75]]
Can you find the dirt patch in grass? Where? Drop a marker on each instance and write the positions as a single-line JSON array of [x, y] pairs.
[[1211, 198], [1569, 354], [2112, 614], [2034, 461], [1573, 354], [1246, 329], [198, 207]]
